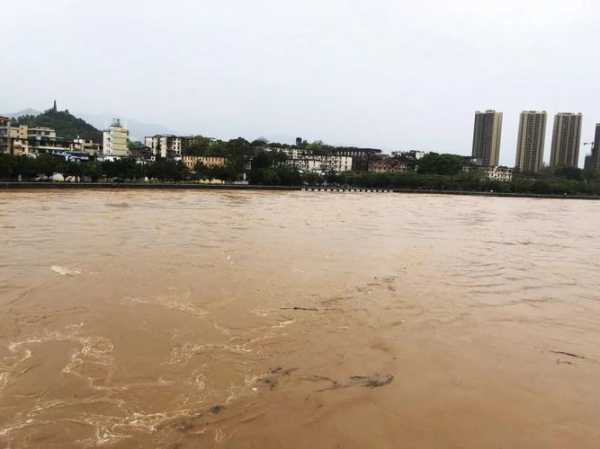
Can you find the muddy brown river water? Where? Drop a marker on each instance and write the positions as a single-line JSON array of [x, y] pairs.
[[268, 320]]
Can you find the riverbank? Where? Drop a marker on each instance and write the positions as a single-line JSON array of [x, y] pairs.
[[132, 185], [190, 186]]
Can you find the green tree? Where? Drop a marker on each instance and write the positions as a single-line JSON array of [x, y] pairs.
[[7, 166], [200, 146], [441, 164]]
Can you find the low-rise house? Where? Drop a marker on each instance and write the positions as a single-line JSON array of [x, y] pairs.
[[167, 145], [88, 147], [502, 174], [315, 161], [41, 133], [495, 173], [13, 139], [389, 165], [410, 154], [320, 163]]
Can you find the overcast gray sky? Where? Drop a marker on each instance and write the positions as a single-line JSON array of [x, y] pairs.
[[384, 73]]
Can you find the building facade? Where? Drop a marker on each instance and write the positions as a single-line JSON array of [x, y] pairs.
[[412, 154], [114, 140], [502, 174], [566, 140], [167, 145], [319, 162], [88, 147], [13, 139], [487, 134], [41, 133], [389, 165], [208, 161], [594, 163], [360, 157], [530, 143]]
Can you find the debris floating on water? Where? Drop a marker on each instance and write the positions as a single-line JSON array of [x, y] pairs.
[[568, 354], [215, 410], [304, 309]]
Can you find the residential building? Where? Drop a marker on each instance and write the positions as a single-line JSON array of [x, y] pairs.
[[88, 147], [167, 145], [40, 133], [51, 146], [595, 156], [321, 163], [566, 139], [315, 161], [502, 174], [412, 154], [115, 140], [360, 157], [487, 134], [588, 162], [530, 143], [208, 161], [13, 139], [389, 165]]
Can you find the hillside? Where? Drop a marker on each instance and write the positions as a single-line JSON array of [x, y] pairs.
[[66, 125]]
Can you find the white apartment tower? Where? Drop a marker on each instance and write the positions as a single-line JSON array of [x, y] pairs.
[[114, 140]]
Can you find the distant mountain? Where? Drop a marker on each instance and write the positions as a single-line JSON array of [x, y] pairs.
[[66, 125], [27, 111], [137, 129]]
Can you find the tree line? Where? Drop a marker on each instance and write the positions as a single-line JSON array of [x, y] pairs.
[[435, 173]]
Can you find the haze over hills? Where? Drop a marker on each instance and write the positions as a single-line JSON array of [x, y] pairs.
[[66, 124], [28, 111], [137, 129]]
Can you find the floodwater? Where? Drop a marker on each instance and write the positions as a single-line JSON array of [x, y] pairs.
[[268, 320]]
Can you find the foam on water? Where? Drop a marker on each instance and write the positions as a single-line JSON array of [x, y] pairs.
[[64, 271]]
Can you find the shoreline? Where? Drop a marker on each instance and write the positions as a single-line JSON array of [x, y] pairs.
[[15, 185]]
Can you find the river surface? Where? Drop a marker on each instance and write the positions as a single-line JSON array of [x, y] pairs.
[[269, 320]]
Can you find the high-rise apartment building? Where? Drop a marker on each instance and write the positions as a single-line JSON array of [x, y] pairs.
[[487, 134], [530, 144], [114, 140], [595, 157], [566, 139]]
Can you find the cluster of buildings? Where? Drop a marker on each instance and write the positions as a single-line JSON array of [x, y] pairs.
[[487, 135], [566, 141], [323, 161], [24, 140], [304, 159]]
